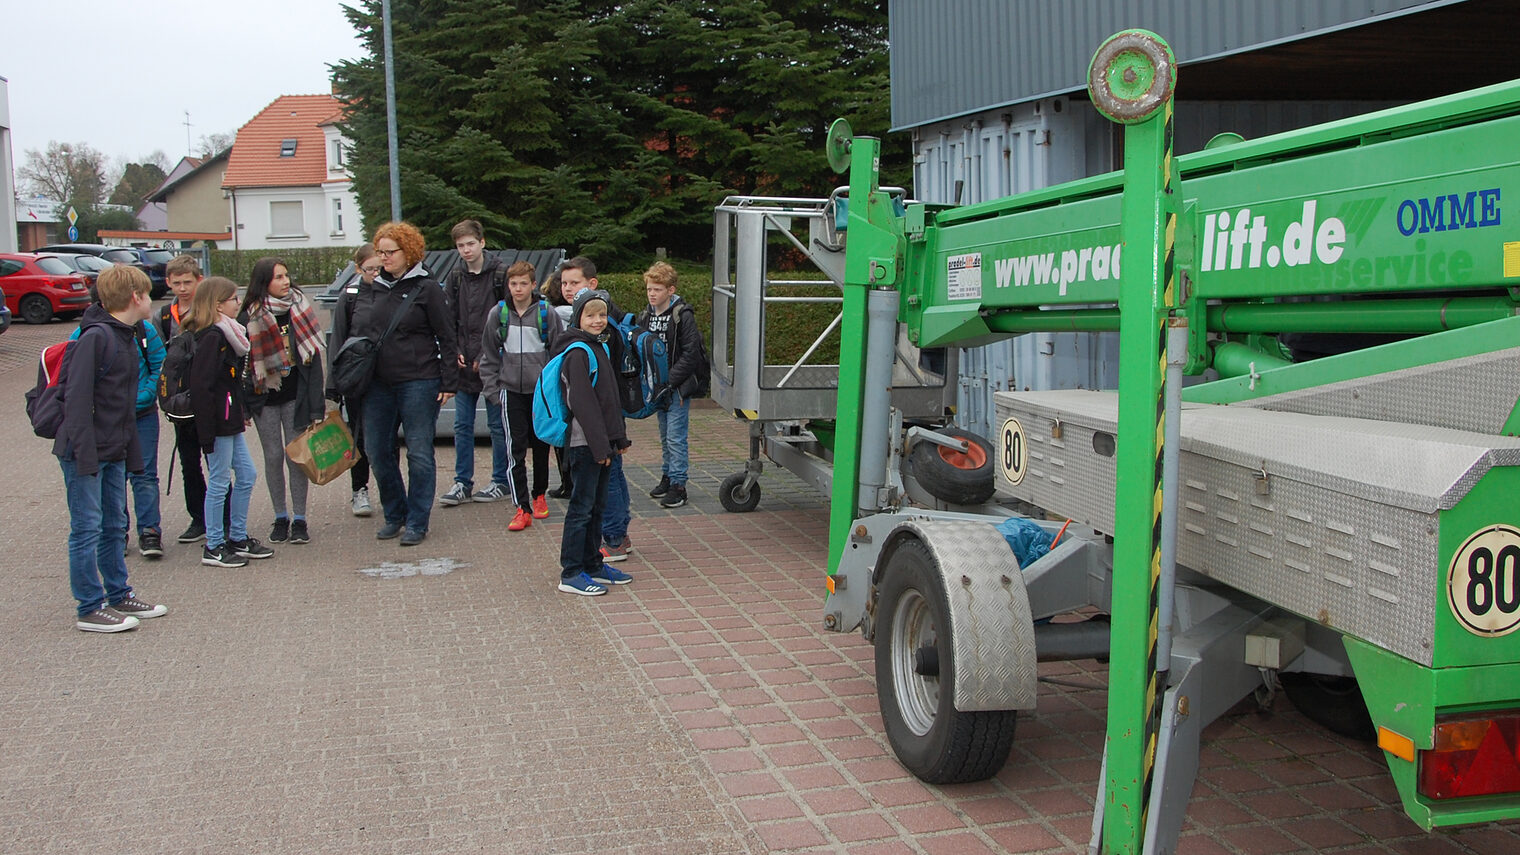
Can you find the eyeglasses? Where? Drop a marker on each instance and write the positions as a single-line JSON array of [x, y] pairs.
[[232, 299], [370, 268], [386, 253]]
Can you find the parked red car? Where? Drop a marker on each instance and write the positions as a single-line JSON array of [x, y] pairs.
[[37, 287]]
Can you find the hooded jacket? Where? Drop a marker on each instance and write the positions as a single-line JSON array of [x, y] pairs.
[[513, 363], [471, 297], [596, 411], [422, 345], [150, 361], [100, 416]]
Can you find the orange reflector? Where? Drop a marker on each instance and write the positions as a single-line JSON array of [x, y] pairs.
[[829, 583], [1473, 756], [1396, 744]]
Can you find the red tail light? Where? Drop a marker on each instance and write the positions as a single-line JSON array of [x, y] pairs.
[[1473, 756]]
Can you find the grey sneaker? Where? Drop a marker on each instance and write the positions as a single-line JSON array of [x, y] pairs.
[[362, 507], [106, 619], [133, 607], [457, 494], [491, 494]]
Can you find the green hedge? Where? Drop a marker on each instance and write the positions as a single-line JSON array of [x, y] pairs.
[[791, 328], [309, 267]]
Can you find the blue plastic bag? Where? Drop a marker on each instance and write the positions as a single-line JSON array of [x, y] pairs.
[[1026, 538]]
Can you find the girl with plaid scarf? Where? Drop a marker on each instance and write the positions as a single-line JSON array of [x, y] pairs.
[[285, 385]]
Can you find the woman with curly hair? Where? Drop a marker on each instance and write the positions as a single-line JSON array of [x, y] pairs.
[[415, 372]]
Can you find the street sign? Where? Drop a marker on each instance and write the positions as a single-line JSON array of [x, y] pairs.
[[73, 230], [73, 218]]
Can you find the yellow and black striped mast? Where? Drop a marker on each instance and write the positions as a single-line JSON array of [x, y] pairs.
[[1131, 81]]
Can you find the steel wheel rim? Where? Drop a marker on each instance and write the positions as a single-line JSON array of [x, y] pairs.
[[917, 695]]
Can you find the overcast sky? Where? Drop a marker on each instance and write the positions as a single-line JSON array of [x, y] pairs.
[[120, 75]]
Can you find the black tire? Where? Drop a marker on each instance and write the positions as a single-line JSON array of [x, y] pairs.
[[736, 499], [931, 738], [35, 309], [1334, 703], [950, 476]]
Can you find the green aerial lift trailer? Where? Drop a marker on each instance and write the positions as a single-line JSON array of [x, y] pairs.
[[1349, 520]]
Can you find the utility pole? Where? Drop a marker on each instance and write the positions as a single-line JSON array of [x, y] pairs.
[[390, 112]]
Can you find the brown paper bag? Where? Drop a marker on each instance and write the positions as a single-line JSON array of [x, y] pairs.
[[325, 450]]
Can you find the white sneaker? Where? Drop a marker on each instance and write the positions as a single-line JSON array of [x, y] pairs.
[[361, 503], [456, 494]]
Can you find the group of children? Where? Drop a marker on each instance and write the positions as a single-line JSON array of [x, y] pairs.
[[502, 352], [259, 360]]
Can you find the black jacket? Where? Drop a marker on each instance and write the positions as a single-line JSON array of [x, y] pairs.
[[422, 346], [684, 349], [471, 297], [216, 388], [100, 414], [596, 409]]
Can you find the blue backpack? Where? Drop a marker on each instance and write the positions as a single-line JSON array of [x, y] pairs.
[[644, 367], [551, 413]]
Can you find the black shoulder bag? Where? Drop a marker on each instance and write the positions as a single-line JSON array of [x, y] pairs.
[[353, 366]]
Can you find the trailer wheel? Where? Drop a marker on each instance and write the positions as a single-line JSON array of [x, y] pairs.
[[961, 478], [1334, 703], [915, 679], [735, 498]]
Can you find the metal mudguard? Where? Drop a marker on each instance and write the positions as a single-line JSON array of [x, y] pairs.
[[991, 630]]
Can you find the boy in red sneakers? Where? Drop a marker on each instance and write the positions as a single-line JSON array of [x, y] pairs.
[[518, 335]]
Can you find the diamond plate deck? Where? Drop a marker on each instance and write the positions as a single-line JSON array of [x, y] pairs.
[[1333, 518]]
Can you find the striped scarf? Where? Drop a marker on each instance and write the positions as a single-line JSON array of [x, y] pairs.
[[268, 355]]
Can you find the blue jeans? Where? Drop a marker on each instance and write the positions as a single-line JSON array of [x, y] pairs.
[[675, 422], [412, 405], [464, 441], [145, 485], [580, 550], [615, 518], [97, 533], [229, 469]]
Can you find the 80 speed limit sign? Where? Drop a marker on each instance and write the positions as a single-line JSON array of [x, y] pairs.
[[1483, 581], [1013, 451]]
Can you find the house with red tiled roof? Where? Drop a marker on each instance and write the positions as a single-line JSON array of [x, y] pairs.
[[286, 181]]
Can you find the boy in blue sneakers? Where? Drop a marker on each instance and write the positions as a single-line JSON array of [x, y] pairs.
[[597, 437]]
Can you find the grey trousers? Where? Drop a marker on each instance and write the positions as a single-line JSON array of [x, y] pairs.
[[276, 424]]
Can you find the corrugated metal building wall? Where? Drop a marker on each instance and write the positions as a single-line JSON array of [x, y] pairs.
[[958, 57], [981, 86]]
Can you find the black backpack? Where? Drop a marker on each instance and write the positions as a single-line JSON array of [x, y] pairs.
[[174, 380]]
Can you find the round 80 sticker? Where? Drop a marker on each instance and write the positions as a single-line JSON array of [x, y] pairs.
[[1483, 582], [1013, 451]]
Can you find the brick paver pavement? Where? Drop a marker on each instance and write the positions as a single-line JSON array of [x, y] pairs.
[[350, 695]]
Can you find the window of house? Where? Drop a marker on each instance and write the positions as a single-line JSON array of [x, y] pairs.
[[337, 155], [337, 217], [287, 148], [286, 219]]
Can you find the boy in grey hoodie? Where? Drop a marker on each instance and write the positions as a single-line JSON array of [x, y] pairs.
[[519, 333]]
